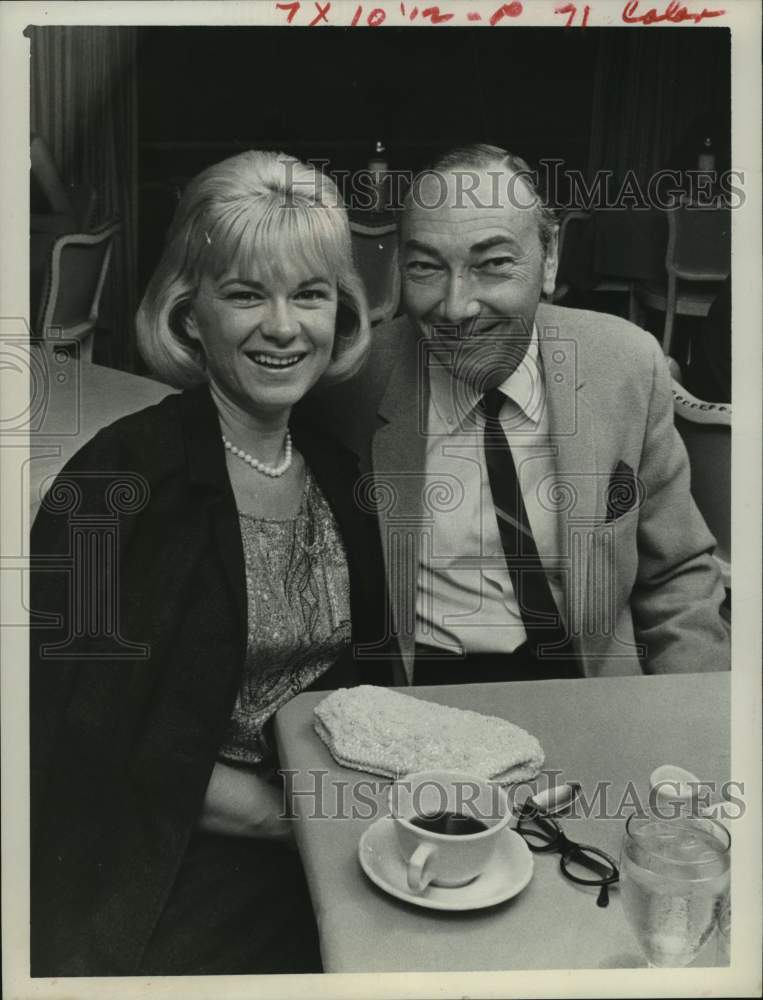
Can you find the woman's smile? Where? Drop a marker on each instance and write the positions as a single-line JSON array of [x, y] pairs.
[[276, 362]]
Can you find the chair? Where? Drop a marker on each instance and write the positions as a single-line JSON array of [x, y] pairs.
[[706, 431], [569, 221], [697, 260], [577, 219], [375, 251], [76, 273]]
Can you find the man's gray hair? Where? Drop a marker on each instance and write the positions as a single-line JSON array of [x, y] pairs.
[[482, 156]]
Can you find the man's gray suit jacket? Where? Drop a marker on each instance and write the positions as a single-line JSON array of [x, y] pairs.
[[641, 590]]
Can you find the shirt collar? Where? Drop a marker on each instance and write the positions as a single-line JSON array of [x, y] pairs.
[[525, 387]]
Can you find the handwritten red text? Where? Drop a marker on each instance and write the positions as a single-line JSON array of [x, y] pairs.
[[507, 10], [571, 10], [318, 13], [675, 12]]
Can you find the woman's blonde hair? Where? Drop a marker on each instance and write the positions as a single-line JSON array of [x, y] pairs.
[[256, 206]]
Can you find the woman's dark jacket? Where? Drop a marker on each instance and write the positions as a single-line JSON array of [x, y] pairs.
[[134, 668]]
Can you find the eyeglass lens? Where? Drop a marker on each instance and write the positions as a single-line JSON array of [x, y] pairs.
[[540, 832], [585, 864], [579, 862]]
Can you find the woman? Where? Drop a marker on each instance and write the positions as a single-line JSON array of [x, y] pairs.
[[243, 573]]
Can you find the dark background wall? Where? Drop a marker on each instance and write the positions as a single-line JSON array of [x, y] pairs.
[[205, 93], [330, 94], [333, 93], [131, 113]]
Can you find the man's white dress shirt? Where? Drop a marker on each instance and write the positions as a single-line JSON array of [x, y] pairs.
[[465, 599]]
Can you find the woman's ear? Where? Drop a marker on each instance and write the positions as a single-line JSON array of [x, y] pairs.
[[189, 323]]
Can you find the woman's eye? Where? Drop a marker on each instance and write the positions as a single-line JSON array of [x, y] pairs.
[[312, 295], [243, 296]]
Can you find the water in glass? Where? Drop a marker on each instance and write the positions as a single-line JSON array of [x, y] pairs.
[[674, 880]]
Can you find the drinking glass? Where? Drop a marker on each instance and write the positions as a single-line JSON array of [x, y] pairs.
[[724, 932], [674, 880]]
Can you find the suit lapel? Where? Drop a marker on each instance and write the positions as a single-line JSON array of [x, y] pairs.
[[573, 433], [571, 425]]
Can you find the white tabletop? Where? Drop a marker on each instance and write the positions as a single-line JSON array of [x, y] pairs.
[[611, 730], [69, 402]]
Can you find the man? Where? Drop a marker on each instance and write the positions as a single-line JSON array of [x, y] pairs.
[[532, 492]]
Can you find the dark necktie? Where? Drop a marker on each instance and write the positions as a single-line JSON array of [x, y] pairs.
[[546, 635]]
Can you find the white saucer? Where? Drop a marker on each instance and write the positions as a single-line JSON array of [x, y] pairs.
[[508, 871]]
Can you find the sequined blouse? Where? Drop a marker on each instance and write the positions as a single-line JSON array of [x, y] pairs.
[[298, 620]]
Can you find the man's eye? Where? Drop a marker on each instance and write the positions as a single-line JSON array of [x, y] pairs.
[[493, 264], [422, 267]]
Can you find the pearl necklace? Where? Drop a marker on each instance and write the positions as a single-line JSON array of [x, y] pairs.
[[274, 471]]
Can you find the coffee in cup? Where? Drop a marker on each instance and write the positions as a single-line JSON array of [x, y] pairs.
[[447, 824], [450, 823]]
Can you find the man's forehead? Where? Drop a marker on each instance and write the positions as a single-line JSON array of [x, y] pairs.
[[470, 224], [461, 188], [471, 199]]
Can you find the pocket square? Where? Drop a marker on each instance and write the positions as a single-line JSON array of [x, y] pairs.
[[623, 493]]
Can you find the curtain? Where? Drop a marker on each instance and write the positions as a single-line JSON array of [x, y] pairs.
[[83, 103], [657, 95]]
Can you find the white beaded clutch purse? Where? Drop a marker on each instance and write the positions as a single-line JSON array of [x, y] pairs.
[[374, 729]]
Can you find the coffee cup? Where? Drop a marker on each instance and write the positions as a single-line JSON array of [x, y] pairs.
[[447, 825]]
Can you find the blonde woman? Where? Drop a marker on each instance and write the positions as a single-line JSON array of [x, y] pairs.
[[244, 574]]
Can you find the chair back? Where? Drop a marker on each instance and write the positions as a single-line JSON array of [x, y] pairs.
[[571, 222], [699, 251], [374, 249], [76, 273], [706, 432], [699, 244]]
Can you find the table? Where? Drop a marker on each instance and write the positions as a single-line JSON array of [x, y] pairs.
[[614, 730], [70, 401]]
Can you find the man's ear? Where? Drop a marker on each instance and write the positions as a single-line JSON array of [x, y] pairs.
[[551, 263]]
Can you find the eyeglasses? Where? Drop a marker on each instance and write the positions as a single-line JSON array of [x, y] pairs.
[[579, 863]]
